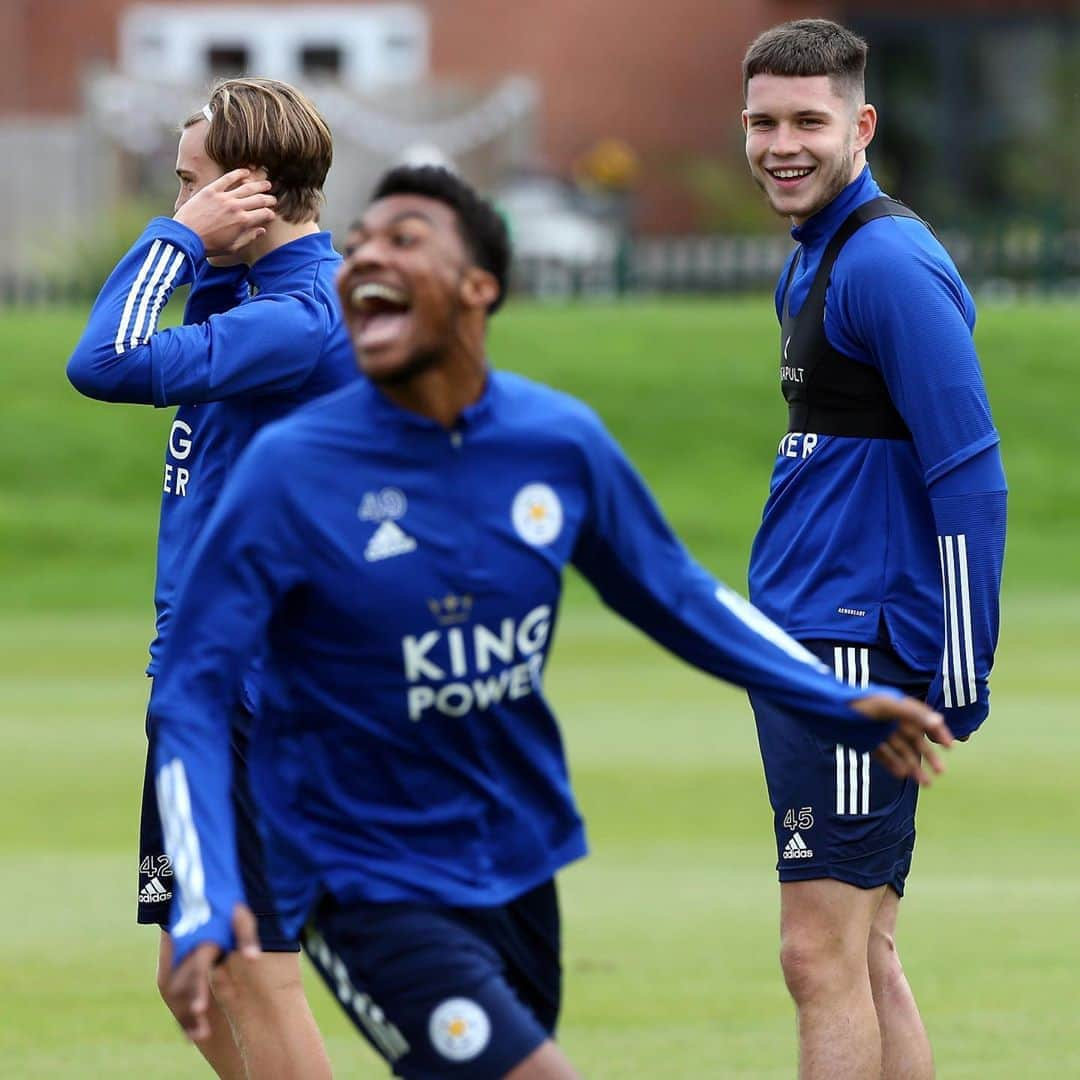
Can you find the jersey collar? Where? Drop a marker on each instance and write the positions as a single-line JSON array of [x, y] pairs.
[[478, 412], [829, 218], [289, 258]]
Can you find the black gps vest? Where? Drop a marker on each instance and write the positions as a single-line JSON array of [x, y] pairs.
[[827, 392]]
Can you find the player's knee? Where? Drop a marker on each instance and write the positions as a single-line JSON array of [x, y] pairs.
[[883, 959], [815, 967]]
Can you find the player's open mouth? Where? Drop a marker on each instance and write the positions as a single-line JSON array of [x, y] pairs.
[[790, 176], [382, 311]]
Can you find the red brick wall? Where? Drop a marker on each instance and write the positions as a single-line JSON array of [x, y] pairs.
[[664, 76]]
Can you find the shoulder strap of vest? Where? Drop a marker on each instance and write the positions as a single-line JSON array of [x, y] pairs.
[[795, 260], [880, 207]]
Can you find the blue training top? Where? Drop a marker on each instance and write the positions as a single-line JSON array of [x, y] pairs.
[[407, 580], [255, 343], [892, 540]]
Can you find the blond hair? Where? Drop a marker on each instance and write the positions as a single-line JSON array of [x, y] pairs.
[[263, 123]]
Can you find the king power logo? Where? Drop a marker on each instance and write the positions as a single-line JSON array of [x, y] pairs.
[[177, 476], [463, 668]]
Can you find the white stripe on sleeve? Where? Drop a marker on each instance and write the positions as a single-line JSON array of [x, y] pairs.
[[133, 295], [946, 679], [182, 843], [164, 258], [965, 608], [952, 623], [162, 296]]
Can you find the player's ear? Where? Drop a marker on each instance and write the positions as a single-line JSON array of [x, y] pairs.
[[479, 288], [865, 126]]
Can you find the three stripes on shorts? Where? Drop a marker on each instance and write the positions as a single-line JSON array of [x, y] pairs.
[[852, 666]]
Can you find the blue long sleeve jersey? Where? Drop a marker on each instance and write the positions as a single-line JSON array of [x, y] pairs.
[[405, 581], [255, 343], [864, 539]]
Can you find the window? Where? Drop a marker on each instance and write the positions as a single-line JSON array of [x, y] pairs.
[[223, 61], [320, 61]]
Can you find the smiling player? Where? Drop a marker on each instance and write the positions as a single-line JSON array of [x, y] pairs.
[[881, 543], [398, 549]]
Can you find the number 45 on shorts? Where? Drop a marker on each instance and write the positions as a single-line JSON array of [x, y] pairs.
[[803, 818]]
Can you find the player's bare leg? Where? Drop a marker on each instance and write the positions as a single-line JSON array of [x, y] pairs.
[[271, 1020], [219, 1049], [824, 931], [905, 1046], [546, 1062]]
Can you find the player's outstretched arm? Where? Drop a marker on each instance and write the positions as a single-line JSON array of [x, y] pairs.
[[906, 752], [628, 552], [187, 991]]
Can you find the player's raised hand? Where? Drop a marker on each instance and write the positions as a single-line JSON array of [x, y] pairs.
[[187, 992], [907, 749], [229, 212]]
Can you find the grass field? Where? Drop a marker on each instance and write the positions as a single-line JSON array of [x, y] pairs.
[[670, 924]]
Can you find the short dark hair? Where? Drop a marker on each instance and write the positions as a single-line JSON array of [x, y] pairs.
[[482, 227], [809, 47]]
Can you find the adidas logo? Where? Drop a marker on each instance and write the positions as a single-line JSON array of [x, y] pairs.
[[153, 892], [388, 540], [797, 849]]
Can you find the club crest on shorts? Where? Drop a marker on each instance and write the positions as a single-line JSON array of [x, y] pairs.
[[537, 514], [459, 1029]]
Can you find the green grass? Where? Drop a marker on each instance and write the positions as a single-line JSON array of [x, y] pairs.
[[671, 923], [690, 389]]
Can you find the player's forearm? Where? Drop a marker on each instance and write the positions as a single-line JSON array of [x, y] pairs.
[[193, 770], [112, 361], [631, 556], [969, 507], [709, 626]]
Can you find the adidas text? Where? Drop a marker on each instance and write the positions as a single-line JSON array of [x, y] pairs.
[[797, 849]]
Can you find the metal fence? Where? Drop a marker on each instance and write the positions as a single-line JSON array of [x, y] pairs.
[[1012, 259], [1017, 260]]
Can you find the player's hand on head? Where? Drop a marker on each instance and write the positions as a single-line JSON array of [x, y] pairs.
[[907, 752], [230, 212]]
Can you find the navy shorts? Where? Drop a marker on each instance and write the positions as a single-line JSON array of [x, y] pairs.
[[443, 992], [155, 868], [837, 813]]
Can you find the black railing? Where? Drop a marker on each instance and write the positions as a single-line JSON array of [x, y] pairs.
[[1017, 259]]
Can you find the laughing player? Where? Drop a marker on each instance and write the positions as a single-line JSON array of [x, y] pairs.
[[398, 549]]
